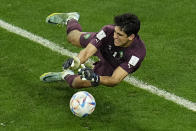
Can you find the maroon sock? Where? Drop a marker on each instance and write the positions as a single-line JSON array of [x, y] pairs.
[[69, 79], [73, 25]]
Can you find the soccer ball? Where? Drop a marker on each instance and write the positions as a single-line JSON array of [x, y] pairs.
[[82, 104]]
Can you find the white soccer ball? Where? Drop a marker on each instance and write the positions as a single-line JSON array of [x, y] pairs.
[[82, 104]]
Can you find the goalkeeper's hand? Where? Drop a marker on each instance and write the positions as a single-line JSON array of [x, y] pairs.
[[73, 63], [88, 74]]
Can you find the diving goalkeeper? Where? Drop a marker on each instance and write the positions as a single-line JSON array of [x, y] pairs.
[[118, 47]]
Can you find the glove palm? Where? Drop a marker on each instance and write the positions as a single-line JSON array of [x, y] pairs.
[[73, 63], [88, 74]]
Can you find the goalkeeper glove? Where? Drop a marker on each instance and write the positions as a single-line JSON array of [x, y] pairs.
[[73, 63], [88, 74]]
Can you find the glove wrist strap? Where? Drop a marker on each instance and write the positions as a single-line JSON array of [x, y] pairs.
[[96, 83]]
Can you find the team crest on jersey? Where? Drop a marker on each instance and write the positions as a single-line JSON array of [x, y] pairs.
[[121, 54], [118, 55], [86, 36]]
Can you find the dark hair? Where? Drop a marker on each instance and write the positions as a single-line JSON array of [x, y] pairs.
[[129, 23]]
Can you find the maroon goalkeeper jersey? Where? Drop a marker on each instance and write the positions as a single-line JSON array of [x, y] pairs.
[[111, 56]]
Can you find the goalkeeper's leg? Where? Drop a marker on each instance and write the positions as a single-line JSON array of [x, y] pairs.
[[62, 18], [55, 76], [74, 81]]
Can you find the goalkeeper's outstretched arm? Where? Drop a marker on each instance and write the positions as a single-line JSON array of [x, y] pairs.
[[89, 78], [87, 52], [118, 75], [75, 62]]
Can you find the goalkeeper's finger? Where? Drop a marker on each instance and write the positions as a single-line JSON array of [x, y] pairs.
[[84, 79], [83, 66], [76, 62], [73, 64]]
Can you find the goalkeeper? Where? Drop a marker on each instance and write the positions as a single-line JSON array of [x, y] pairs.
[[118, 47]]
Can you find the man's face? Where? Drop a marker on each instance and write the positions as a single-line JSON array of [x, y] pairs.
[[121, 38]]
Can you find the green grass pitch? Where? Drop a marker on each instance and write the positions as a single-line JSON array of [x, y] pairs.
[[26, 104]]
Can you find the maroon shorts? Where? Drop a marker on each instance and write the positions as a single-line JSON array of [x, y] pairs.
[[101, 67]]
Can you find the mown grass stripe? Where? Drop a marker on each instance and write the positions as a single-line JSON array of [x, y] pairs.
[[130, 79]]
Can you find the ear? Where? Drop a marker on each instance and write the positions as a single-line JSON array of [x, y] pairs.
[[131, 37]]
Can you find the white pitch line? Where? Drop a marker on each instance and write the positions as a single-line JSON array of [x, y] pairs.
[[130, 79]]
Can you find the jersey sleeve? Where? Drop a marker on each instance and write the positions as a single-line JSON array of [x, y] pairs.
[[132, 64], [101, 35]]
